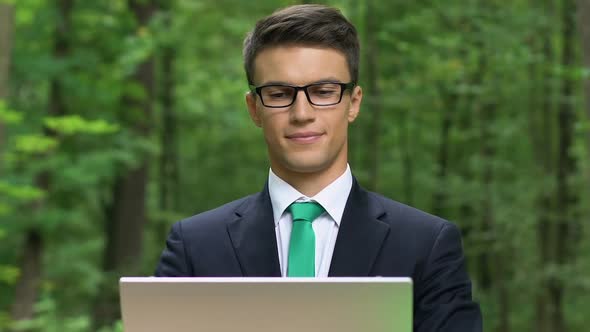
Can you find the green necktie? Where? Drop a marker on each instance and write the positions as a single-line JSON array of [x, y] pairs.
[[302, 243]]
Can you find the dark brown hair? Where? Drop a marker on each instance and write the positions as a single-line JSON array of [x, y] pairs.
[[309, 25]]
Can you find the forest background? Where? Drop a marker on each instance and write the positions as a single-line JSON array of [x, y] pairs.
[[118, 118]]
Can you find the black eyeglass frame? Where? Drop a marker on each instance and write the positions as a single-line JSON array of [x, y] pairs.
[[343, 88]]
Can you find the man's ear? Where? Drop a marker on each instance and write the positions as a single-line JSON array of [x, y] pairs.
[[251, 103], [356, 96]]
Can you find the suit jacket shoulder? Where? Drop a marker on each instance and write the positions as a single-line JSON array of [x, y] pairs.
[[416, 229], [200, 245], [401, 213], [214, 220]]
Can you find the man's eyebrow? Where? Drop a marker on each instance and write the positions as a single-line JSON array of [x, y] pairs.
[[276, 83], [323, 80]]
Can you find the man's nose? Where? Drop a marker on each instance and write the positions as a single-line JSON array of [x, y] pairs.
[[302, 110]]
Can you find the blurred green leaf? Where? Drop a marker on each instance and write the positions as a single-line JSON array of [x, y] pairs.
[[9, 274], [32, 144], [7, 115], [21, 192], [75, 124]]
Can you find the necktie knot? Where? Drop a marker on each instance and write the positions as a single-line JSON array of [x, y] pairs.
[[306, 211]]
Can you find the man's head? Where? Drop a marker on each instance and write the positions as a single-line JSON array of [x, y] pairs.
[[302, 66], [304, 25]]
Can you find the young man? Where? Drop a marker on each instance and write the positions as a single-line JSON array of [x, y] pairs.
[[312, 217]]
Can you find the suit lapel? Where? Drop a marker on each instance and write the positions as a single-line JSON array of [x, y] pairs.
[[253, 237], [360, 236]]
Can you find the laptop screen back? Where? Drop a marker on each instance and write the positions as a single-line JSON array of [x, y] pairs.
[[266, 304]]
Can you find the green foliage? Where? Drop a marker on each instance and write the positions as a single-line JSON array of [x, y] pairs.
[[74, 124], [20, 192], [8, 274], [136, 49], [7, 115], [47, 320], [35, 144]]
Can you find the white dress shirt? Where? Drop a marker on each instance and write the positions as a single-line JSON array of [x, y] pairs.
[[332, 198]]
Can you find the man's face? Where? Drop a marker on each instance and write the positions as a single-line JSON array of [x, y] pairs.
[[304, 138]]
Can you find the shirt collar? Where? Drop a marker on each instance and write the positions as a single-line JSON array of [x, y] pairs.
[[332, 198]]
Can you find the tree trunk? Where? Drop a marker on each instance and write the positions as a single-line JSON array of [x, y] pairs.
[[374, 95], [544, 151], [27, 287], [357, 142], [6, 36], [129, 215], [407, 160], [465, 123], [169, 174], [28, 284], [440, 197], [499, 264], [126, 214], [566, 198], [584, 29]]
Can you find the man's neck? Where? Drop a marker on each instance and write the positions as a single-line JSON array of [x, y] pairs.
[[310, 183]]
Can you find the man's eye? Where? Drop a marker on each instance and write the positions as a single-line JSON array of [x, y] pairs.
[[324, 93], [276, 95]]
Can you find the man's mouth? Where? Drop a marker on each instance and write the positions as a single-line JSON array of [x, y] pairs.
[[305, 137]]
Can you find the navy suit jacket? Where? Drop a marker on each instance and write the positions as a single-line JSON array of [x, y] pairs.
[[377, 237]]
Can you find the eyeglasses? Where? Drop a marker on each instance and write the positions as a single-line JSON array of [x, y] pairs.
[[318, 94]]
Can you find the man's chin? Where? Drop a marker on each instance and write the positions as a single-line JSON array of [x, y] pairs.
[[306, 166]]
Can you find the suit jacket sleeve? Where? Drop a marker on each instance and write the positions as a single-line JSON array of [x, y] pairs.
[[443, 290], [174, 260]]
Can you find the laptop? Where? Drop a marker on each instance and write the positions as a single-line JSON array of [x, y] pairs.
[[266, 304]]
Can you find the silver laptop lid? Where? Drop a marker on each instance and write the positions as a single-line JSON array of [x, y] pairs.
[[266, 304]]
